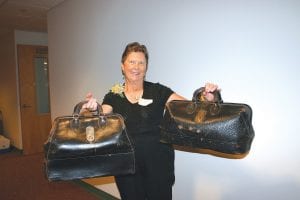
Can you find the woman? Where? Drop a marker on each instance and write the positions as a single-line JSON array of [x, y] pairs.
[[142, 104]]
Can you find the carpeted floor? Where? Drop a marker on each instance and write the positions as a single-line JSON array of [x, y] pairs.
[[22, 178]]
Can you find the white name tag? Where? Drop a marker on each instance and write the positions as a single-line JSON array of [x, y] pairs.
[[145, 102]]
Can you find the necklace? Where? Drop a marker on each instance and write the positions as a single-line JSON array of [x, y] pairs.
[[138, 96], [134, 94]]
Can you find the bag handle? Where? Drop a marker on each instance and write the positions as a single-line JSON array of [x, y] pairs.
[[78, 107], [208, 107], [199, 97], [75, 124]]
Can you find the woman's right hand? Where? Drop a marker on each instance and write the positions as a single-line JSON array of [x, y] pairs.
[[91, 102]]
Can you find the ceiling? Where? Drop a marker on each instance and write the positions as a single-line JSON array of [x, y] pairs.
[[29, 15]]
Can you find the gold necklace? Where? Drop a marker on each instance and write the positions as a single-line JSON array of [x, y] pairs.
[[137, 96]]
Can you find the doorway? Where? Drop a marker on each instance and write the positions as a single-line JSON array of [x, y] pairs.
[[34, 96]]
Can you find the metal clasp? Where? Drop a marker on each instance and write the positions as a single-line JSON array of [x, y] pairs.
[[90, 133]]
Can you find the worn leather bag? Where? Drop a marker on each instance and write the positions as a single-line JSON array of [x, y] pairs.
[[217, 128], [84, 146]]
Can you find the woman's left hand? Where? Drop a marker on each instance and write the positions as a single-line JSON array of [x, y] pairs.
[[91, 102], [209, 90]]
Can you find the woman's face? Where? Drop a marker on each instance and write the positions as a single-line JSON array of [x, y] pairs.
[[135, 66]]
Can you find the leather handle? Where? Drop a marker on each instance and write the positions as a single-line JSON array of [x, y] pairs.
[[207, 107], [76, 123], [78, 107], [198, 96]]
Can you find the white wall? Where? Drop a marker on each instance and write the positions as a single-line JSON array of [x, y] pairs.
[[250, 48]]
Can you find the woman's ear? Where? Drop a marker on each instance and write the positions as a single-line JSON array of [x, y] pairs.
[[122, 68]]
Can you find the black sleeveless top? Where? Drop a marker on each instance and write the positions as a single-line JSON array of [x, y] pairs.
[[141, 120]]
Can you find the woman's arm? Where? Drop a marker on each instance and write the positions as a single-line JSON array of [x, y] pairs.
[[175, 96]]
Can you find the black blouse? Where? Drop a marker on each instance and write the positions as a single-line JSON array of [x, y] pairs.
[[139, 119]]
